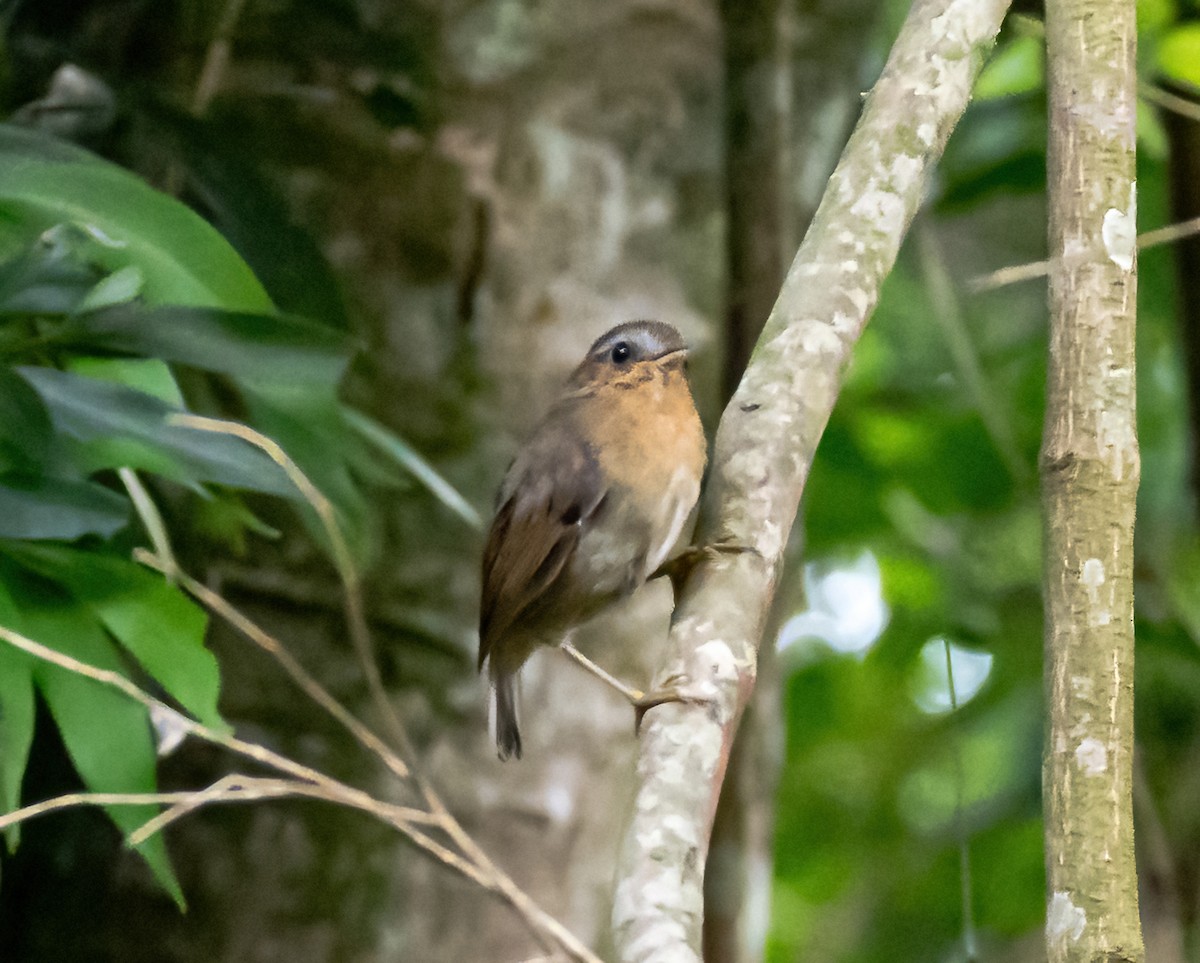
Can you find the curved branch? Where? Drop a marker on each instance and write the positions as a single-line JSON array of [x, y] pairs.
[[764, 448]]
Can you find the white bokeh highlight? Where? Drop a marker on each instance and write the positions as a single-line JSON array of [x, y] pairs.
[[846, 610]]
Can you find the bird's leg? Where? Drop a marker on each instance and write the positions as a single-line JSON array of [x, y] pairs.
[[642, 702], [678, 568], [633, 695]]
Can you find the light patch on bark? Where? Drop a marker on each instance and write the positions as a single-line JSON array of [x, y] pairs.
[[1116, 436], [1091, 576], [1074, 251], [1119, 232], [906, 170], [558, 801], [1064, 920], [882, 207], [1092, 757], [718, 658]]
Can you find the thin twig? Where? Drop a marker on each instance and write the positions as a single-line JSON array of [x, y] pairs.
[[1169, 101], [218, 605], [216, 58], [152, 521], [232, 793], [231, 788], [1039, 269], [261, 754], [1170, 233], [630, 693], [343, 561], [234, 787], [476, 866], [948, 313]]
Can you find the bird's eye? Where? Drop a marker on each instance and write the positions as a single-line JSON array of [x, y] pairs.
[[621, 352]]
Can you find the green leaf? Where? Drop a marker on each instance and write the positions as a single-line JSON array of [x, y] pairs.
[[1179, 55], [148, 375], [123, 285], [117, 426], [407, 458], [25, 429], [44, 182], [1017, 67], [249, 210], [16, 721], [43, 279], [251, 346], [107, 736], [153, 619], [59, 508]]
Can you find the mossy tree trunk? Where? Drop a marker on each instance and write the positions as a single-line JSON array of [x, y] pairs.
[[1089, 469]]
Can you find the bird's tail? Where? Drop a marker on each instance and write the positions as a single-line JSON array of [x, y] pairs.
[[502, 717]]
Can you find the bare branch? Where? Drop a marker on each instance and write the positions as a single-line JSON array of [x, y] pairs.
[[1039, 269], [152, 521], [232, 788], [1169, 101], [412, 823]]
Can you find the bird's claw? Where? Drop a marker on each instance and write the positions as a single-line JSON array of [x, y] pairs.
[[678, 568], [670, 691]]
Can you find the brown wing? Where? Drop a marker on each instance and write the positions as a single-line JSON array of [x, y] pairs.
[[552, 488]]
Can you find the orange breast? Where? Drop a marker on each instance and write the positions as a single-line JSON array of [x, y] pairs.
[[646, 432]]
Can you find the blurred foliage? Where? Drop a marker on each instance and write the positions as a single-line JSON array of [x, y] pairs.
[[933, 468]]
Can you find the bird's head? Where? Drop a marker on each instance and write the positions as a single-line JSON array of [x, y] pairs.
[[629, 350]]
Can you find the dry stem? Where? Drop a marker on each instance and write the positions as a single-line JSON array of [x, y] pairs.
[[1016, 273]]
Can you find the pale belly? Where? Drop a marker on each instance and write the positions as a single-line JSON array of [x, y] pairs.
[[632, 537]]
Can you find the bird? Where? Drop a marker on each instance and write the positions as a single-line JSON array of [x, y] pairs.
[[590, 507]]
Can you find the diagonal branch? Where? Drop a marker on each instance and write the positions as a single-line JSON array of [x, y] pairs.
[[764, 448]]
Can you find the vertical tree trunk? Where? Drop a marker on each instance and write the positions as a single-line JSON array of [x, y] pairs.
[[1089, 467], [757, 100], [758, 82]]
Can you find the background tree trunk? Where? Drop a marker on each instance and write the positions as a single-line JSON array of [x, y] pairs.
[[596, 191], [758, 55], [1090, 468]]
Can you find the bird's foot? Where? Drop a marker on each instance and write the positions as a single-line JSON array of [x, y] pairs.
[[670, 691], [678, 568]]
